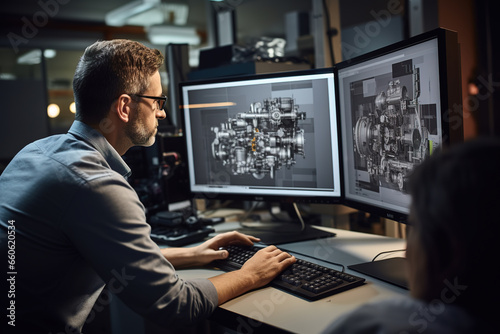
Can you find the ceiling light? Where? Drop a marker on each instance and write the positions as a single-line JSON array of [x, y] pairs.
[[118, 17], [147, 18], [7, 76], [163, 35], [35, 56]]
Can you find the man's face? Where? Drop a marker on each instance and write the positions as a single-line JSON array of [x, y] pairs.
[[142, 127]]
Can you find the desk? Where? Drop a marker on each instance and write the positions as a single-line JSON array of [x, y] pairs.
[[272, 309]]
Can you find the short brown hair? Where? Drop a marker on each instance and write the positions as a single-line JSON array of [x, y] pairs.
[[108, 69]]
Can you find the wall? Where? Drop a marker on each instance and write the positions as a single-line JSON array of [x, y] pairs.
[[459, 15]]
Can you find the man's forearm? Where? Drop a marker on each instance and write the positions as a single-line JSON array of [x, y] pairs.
[[232, 284], [228, 285], [180, 257], [258, 271]]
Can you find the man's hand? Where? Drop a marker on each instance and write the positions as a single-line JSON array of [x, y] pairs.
[[266, 264], [258, 271], [210, 249], [207, 251]]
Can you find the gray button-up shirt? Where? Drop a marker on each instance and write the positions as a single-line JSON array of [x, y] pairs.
[[78, 226]]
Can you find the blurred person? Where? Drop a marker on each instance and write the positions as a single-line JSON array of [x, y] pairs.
[[77, 225], [452, 249]]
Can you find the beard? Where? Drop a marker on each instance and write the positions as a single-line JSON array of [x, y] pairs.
[[137, 130]]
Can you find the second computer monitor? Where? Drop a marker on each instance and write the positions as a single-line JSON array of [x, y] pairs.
[[398, 105], [264, 137]]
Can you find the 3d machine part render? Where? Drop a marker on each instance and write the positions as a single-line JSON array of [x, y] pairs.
[[392, 139], [262, 140]]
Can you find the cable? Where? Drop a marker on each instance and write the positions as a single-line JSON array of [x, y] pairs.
[[386, 252], [299, 215]]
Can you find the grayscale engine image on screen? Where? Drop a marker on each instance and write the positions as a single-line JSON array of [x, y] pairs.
[[391, 131], [272, 135], [391, 122], [261, 140]]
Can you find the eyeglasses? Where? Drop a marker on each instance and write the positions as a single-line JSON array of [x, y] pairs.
[[160, 100]]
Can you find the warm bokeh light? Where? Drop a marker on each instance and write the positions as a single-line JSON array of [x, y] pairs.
[[53, 110], [473, 89], [208, 105], [72, 107]]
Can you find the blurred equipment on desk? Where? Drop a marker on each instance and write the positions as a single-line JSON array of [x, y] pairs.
[[159, 174], [173, 229]]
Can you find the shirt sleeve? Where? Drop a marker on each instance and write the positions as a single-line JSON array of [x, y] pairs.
[[107, 224]]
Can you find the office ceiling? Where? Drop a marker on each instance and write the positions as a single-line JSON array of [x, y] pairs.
[[72, 10], [254, 18]]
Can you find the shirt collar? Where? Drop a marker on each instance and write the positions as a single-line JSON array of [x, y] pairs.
[[99, 142]]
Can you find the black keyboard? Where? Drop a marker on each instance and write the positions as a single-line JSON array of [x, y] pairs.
[[304, 279]]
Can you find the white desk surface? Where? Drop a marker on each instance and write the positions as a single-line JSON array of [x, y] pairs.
[[285, 311]]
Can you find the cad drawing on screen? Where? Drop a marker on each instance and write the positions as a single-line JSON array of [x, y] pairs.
[[390, 131], [262, 140]]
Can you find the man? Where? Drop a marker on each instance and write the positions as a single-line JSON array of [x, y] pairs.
[[78, 225], [452, 249]]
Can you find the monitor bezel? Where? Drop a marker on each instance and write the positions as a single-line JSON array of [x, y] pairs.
[[450, 99], [282, 198]]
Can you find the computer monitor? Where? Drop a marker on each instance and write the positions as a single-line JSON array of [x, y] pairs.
[[397, 106], [270, 137]]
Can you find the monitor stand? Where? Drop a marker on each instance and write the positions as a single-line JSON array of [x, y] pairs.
[[277, 232]]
